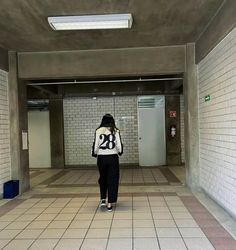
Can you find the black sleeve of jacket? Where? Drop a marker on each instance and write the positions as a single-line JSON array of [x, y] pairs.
[[121, 153], [93, 147]]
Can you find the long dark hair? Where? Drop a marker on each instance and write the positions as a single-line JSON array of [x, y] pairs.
[[108, 121]]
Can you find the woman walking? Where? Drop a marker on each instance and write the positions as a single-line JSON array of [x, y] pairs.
[[106, 147]]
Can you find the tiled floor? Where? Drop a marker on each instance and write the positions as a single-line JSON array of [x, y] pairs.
[[146, 217], [128, 176]]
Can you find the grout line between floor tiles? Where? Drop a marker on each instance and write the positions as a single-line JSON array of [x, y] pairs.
[[132, 209], [191, 212], [70, 222], [108, 237], [175, 223], [13, 237], [36, 174], [43, 228], [52, 178], [156, 182], [47, 225], [89, 224], [157, 238], [133, 193]]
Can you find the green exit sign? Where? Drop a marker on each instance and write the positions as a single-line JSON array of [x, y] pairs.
[[207, 98]]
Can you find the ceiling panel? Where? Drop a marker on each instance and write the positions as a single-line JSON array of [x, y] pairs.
[[24, 27]]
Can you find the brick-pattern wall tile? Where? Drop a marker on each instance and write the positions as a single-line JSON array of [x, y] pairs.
[[182, 128], [126, 115], [5, 162], [83, 115], [217, 78]]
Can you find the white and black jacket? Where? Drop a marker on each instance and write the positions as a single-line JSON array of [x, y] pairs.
[[106, 142]]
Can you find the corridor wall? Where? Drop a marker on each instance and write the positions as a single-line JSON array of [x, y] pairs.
[[217, 112], [83, 115], [182, 128], [5, 160]]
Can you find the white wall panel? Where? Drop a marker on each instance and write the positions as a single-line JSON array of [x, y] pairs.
[[217, 78], [5, 157]]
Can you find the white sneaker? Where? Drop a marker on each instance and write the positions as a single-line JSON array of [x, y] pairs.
[[103, 203]]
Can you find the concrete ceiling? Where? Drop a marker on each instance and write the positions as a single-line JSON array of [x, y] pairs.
[[24, 27]]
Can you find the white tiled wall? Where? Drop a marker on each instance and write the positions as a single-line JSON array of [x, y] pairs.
[[126, 117], [182, 128], [83, 115], [5, 162], [217, 78]]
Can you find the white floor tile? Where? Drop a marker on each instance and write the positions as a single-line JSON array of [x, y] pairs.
[[146, 243]]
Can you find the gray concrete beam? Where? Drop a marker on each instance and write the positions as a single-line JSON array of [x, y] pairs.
[[219, 27], [94, 63], [33, 93], [4, 59], [109, 89]]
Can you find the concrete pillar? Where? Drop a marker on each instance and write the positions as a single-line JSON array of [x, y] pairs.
[[173, 146], [191, 119], [3, 59], [57, 133], [18, 125]]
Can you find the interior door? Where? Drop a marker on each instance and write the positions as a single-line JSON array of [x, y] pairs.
[[39, 139], [151, 129]]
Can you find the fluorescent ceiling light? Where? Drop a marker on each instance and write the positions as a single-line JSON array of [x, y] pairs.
[[91, 22]]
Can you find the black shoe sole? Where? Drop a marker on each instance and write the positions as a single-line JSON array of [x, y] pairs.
[[109, 209]]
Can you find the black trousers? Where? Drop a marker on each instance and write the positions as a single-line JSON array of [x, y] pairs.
[[108, 166]]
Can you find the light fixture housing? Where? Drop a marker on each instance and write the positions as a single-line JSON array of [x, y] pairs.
[[91, 22]]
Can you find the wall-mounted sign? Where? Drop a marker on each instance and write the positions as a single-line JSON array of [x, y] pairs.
[[24, 140], [172, 113], [122, 122], [207, 98]]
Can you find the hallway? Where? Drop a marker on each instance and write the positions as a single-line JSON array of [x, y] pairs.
[[168, 80], [155, 211]]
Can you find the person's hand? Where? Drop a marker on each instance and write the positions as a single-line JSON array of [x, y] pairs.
[[94, 155]]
